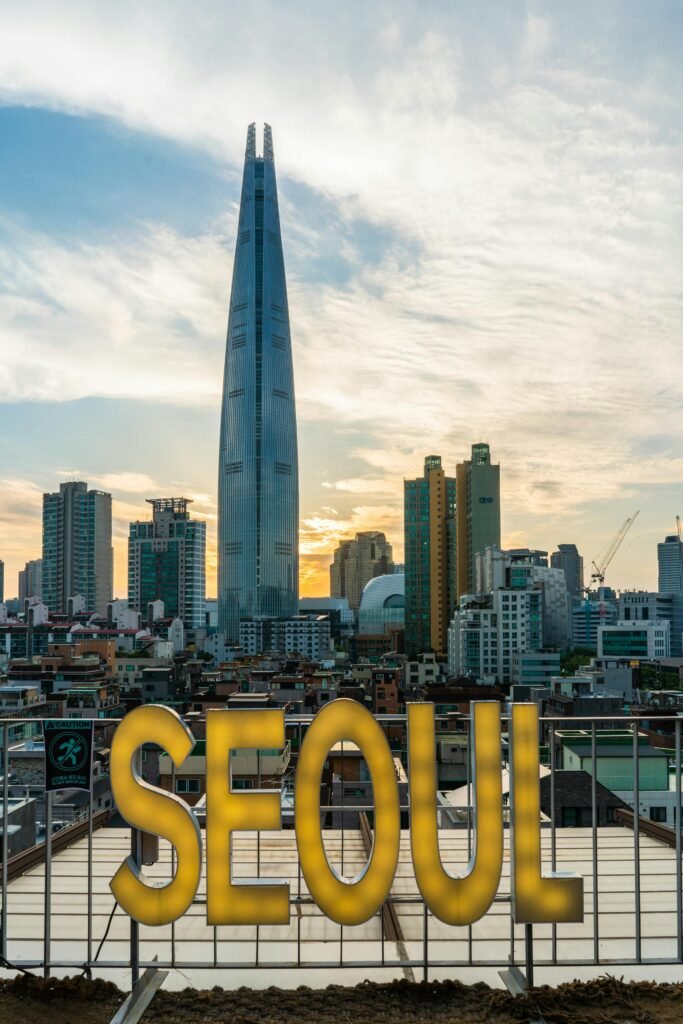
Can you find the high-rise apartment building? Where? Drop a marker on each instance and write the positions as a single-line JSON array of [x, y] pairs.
[[258, 476], [570, 561], [430, 558], [670, 563], [489, 630], [478, 513], [30, 583], [167, 562], [77, 551], [2, 581], [523, 569], [356, 562]]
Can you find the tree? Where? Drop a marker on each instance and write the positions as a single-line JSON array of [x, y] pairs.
[[572, 660]]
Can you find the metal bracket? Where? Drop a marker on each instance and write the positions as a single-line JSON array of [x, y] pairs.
[[517, 985], [514, 980], [140, 997]]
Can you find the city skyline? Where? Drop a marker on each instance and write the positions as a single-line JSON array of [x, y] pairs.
[[476, 250]]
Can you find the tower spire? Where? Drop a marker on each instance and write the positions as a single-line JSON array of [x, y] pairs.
[[267, 142], [250, 153]]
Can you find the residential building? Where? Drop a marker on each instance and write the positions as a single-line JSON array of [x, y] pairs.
[[670, 565], [489, 629], [258, 475], [77, 550], [523, 568], [305, 635], [167, 562], [30, 583], [337, 611], [612, 675], [87, 701], [385, 686], [373, 646], [430, 558], [249, 769], [529, 556], [637, 641], [21, 831], [570, 561], [616, 768], [356, 562], [570, 795], [422, 671], [478, 513]]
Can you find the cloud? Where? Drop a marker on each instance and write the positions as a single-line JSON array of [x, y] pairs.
[[139, 317], [481, 228], [131, 483], [21, 503]]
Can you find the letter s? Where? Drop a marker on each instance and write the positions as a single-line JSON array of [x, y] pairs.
[[144, 806]]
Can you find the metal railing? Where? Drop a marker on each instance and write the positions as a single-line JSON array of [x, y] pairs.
[[393, 936]]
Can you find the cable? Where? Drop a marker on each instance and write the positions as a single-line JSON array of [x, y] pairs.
[[13, 967], [87, 967]]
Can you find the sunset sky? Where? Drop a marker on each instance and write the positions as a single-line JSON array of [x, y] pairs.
[[481, 217]]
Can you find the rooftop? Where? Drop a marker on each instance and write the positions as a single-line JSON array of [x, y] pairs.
[[317, 940]]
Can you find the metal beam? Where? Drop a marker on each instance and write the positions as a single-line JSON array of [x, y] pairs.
[[140, 997]]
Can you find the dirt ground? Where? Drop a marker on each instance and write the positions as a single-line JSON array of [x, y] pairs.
[[26, 1000]]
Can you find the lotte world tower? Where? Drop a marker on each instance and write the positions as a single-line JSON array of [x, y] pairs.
[[258, 476]]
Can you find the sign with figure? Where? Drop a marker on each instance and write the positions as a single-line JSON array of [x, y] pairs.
[[68, 754]]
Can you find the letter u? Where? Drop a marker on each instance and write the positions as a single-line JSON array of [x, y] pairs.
[[463, 899]]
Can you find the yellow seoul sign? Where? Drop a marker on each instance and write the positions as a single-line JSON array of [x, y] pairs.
[[456, 900]]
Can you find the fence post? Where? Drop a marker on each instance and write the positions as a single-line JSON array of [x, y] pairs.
[[5, 833], [48, 886], [134, 926]]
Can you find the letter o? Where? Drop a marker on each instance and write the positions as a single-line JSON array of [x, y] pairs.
[[347, 901]]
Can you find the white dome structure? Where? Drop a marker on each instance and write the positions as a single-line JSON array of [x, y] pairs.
[[382, 604]]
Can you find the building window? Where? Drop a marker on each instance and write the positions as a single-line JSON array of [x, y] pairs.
[[658, 814], [187, 786]]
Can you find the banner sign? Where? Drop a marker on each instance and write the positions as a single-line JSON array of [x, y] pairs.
[[68, 753]]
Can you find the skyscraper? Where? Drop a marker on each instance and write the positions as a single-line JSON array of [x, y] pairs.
[[30, 580], [478, 513], [167, 562], [670, 563], [430, 576], [2, 581], [356, 562], [258, 476], [77, 551], [568, 558]]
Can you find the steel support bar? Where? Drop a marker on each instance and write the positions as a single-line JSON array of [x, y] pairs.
[[47, 906], [5, 842], [141, 996]]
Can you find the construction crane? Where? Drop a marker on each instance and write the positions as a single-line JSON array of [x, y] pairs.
[[598, 574]]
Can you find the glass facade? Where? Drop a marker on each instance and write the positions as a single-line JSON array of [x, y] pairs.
[[258, 476], [167, 562], [382, 606], [430, 544]]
